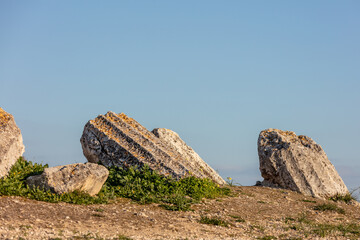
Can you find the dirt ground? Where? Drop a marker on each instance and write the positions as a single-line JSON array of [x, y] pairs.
[[253, 213]]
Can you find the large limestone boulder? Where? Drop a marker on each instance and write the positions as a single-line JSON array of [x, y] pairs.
[[117, 140], [11, 142], [297, 163], [87, 177]]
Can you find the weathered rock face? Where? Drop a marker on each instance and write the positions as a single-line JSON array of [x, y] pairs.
[[297, 163], [11, 142], [87, 177], [192, 159], [117, 140]]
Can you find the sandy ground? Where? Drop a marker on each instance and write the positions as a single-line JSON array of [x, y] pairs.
[[253, 213]]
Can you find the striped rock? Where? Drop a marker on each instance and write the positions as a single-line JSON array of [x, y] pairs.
[[117, 140], [11, 142], [297, 163]]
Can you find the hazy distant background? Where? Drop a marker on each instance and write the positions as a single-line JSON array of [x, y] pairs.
[[216, 72]]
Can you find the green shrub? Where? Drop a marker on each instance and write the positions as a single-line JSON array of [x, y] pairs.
[[141, 185], [13, 183], [146, 186]]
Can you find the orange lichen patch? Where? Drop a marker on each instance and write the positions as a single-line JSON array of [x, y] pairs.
[[303, 139], [106, 129], [4, 117], [130, 121]]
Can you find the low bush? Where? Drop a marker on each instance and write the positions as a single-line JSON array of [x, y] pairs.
[[146, 186]]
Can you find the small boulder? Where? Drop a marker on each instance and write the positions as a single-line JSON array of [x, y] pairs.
[[297, 163], [11, 142], [87, 177], [117, 140]]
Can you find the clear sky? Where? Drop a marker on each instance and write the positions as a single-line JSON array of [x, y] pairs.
[[216, 72]]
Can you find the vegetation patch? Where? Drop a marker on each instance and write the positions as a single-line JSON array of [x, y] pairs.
[[307, 227], [329, 207], [214, 221], [324, 230], [347, 198], [141, 185], [146, 186]]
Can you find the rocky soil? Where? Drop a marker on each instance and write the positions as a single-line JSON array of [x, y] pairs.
[[253, 213]]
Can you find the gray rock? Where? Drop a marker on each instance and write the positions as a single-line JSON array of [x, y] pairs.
[[117, 140], [297, 163], [87, 177], [11, 142]]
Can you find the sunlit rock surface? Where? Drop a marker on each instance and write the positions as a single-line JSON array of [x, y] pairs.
[[11, 142], [297, 163]]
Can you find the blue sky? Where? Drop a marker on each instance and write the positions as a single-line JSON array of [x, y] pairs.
[[216, 72]]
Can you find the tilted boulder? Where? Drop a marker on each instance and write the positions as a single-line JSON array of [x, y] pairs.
[[297, 163], [87, 177], [117, 140], [11, 142]]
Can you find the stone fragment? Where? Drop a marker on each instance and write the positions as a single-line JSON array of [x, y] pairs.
[[117, 140], [11, 142], [87, 177], [297, 163]]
